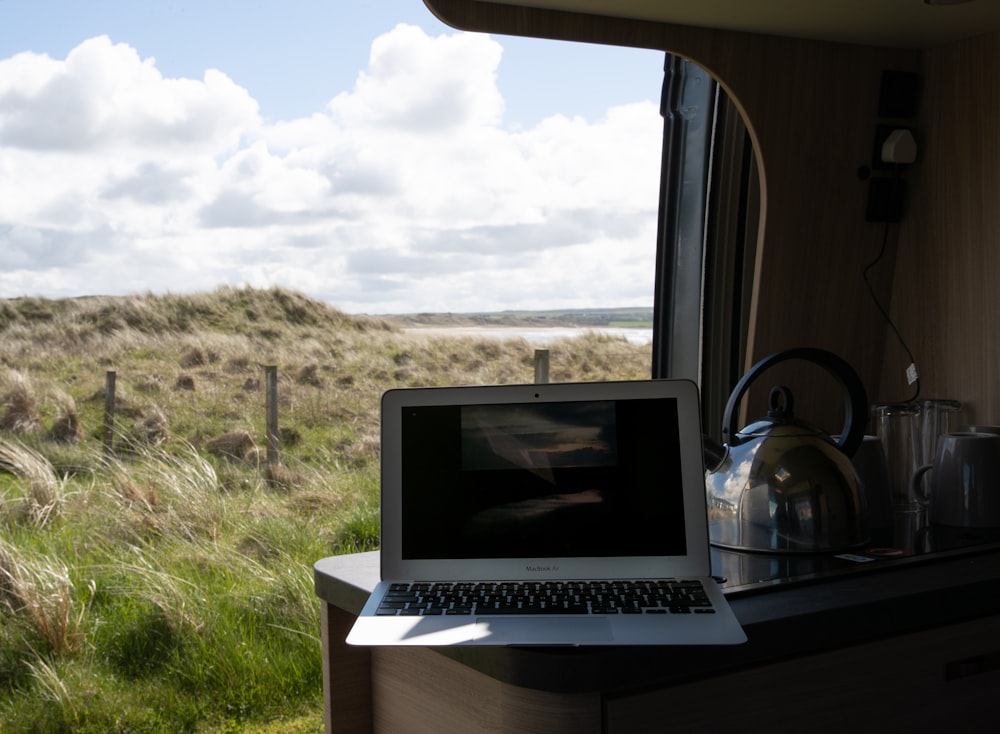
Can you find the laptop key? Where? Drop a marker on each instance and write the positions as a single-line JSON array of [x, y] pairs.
[[490, 611]]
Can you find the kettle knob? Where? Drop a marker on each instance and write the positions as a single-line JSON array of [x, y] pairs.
[[855, 397], [780, 402]]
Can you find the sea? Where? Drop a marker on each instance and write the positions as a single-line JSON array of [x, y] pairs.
[[538, 336]]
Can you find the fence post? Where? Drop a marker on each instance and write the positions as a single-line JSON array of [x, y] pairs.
[[109, 413], [271, 429], [541, 366]]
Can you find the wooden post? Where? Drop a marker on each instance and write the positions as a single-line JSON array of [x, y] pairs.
[[541, 366], [271, 387], [109, 413]]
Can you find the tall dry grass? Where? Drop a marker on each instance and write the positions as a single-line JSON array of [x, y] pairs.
[[19, 405], [40, 597], [168, 586], [42, 489]]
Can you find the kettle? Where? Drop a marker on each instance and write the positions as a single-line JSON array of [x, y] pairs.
[[780, 485]]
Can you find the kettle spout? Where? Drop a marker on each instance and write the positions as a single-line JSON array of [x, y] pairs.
[[713, 453]]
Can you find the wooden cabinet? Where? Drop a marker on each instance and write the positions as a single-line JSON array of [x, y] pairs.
[[942, 679], [414, 690], [914, 647], [937, 680]]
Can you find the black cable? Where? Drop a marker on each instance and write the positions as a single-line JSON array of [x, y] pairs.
[[871, 289]]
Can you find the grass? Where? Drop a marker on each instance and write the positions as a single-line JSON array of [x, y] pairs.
[[168, 586]]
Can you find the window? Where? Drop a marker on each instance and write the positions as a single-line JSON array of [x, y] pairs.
[[709, 204]]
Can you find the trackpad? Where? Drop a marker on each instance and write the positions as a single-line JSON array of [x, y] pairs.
[[542, 630]]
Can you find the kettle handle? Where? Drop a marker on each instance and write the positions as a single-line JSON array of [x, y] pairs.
[[855, 397]]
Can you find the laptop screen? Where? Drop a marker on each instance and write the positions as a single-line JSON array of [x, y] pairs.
[[570, 479]]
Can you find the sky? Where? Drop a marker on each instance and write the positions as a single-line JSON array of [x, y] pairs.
[[363, 153]]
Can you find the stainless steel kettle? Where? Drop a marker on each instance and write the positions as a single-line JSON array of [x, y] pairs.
[[781, 485]]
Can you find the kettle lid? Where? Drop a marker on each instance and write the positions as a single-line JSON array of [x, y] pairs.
[[781, 412]]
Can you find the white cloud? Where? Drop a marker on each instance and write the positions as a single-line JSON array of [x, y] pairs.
[[406, 193], [104, 96], [433, 86]]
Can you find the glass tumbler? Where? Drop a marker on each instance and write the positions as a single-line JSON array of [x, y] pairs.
[[898, 426]]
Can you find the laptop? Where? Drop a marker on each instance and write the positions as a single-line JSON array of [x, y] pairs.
[[503, 506]]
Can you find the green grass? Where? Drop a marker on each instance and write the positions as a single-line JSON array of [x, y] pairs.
[[168, 587]]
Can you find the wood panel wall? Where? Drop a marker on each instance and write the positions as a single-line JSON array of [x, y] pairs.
[[812, 110], [947, 288]]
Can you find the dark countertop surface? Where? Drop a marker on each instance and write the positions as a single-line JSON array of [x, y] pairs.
[[788, 606]]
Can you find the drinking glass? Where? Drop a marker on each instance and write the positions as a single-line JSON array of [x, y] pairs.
[[898, 427]]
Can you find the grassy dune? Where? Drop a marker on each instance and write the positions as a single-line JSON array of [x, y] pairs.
[[167, 586]]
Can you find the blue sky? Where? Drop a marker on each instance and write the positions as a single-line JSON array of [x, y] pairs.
[[361, 152]]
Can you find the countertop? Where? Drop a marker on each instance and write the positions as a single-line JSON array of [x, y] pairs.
[[846, 604]]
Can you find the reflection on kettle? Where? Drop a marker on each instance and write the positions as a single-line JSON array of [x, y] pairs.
[[780, 485]]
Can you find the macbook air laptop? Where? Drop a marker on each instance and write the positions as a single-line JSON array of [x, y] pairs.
[[552, 514]]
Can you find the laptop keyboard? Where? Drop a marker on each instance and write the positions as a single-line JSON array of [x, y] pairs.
[[667, 596]]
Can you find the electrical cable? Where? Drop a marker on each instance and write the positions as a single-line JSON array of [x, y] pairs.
[[874, 297]]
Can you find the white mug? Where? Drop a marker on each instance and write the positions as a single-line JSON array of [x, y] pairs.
[[964, 481]]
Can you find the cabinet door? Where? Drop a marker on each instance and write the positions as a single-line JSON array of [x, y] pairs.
[[945, 679], [419, 691]]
